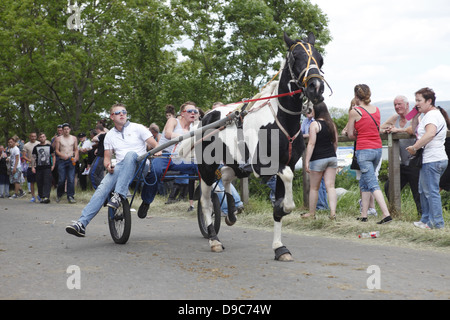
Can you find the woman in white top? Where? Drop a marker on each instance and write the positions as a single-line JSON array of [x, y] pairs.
[[431, 134]]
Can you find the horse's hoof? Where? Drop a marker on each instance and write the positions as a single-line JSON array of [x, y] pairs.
[[216, 246], [283, 254], [287, 257], [229, 222]]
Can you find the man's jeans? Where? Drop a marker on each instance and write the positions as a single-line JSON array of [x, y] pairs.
[[66, 170], [220, 190], [430, 198], [118, 181]]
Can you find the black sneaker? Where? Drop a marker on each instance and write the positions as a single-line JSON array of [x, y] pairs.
[[115, 200], [76, 229], [385, 220], [71, 200], [45, 200], [143, 208]]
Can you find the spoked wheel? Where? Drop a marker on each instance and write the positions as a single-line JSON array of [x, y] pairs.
[[216, 216], [119, 221]]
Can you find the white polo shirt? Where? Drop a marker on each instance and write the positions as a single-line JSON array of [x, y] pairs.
[[131, 138]]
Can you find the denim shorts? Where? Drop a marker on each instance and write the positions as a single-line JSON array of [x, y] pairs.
[[320, 165], [368, 160]]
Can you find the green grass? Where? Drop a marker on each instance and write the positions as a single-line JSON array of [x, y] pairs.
[[400, 232]]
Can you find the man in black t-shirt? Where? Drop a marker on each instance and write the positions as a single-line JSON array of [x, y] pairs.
[[42, 164]]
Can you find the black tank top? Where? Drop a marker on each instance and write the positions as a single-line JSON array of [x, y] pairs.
[[324, 147]]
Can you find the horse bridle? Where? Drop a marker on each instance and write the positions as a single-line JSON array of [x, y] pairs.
[[309, 66]]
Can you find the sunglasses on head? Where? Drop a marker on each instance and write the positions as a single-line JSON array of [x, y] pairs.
[[191, 111], [124, 112]]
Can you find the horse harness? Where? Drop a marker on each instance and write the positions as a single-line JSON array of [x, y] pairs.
[[239, 123], [306, 77]]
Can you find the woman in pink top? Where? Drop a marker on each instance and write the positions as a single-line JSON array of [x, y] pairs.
[[364, 123]]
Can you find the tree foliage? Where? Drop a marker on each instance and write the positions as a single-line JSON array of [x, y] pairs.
[[144, 53]]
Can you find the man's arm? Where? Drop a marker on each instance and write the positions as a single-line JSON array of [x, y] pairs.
[[75, 149], [389, 123], [53, 161], [169, 127], [107, 160], [153, 144], [57, 149]]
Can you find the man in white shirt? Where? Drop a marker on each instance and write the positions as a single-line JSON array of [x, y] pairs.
[[128, 141], [15, 174], [27, 154]]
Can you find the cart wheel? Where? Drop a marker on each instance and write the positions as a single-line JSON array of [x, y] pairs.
[[119, 221], [216, 216]]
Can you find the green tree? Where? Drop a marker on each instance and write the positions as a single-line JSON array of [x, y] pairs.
[[144, 53], [54, 74], [238, 44]]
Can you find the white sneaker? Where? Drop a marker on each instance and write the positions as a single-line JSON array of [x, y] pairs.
[[421, 225], [372, 212], [85, 172]]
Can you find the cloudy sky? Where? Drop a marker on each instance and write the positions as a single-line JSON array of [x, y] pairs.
[[394, 46]]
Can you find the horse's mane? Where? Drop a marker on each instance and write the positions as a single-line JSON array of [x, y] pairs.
[[266, 92]]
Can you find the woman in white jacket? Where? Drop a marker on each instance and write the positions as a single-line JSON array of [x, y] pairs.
[[431, 133]]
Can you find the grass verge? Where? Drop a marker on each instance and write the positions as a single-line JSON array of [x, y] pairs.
[[258, 214]]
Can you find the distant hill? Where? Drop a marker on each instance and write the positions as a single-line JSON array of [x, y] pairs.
[[387, 108]]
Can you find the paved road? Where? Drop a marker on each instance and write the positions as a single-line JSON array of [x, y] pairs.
[[166, 258]]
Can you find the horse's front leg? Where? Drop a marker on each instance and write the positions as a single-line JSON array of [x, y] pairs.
[[287, 176], [207, 208], [283, 206]]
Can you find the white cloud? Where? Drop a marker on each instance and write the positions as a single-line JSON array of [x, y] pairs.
[[396, 47]]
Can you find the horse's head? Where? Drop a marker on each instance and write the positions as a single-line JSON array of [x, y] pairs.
[[304, 63]]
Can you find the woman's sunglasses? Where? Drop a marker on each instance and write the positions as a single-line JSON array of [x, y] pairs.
[[191, 111]]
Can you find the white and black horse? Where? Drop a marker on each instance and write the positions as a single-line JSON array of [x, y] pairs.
[[265, 140]]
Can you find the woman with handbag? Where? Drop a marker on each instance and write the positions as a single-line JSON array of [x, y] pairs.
[[364, 122], [431, 133], [355, 166]]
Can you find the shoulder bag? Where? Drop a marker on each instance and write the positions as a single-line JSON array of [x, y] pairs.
[[416, 160]]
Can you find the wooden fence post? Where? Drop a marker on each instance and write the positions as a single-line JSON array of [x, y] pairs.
[[244, 190], [395, 197]]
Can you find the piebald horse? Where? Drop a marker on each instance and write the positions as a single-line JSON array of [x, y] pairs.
[[265, 140]]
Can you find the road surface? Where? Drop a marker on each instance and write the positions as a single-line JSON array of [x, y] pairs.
[[167, 258]]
